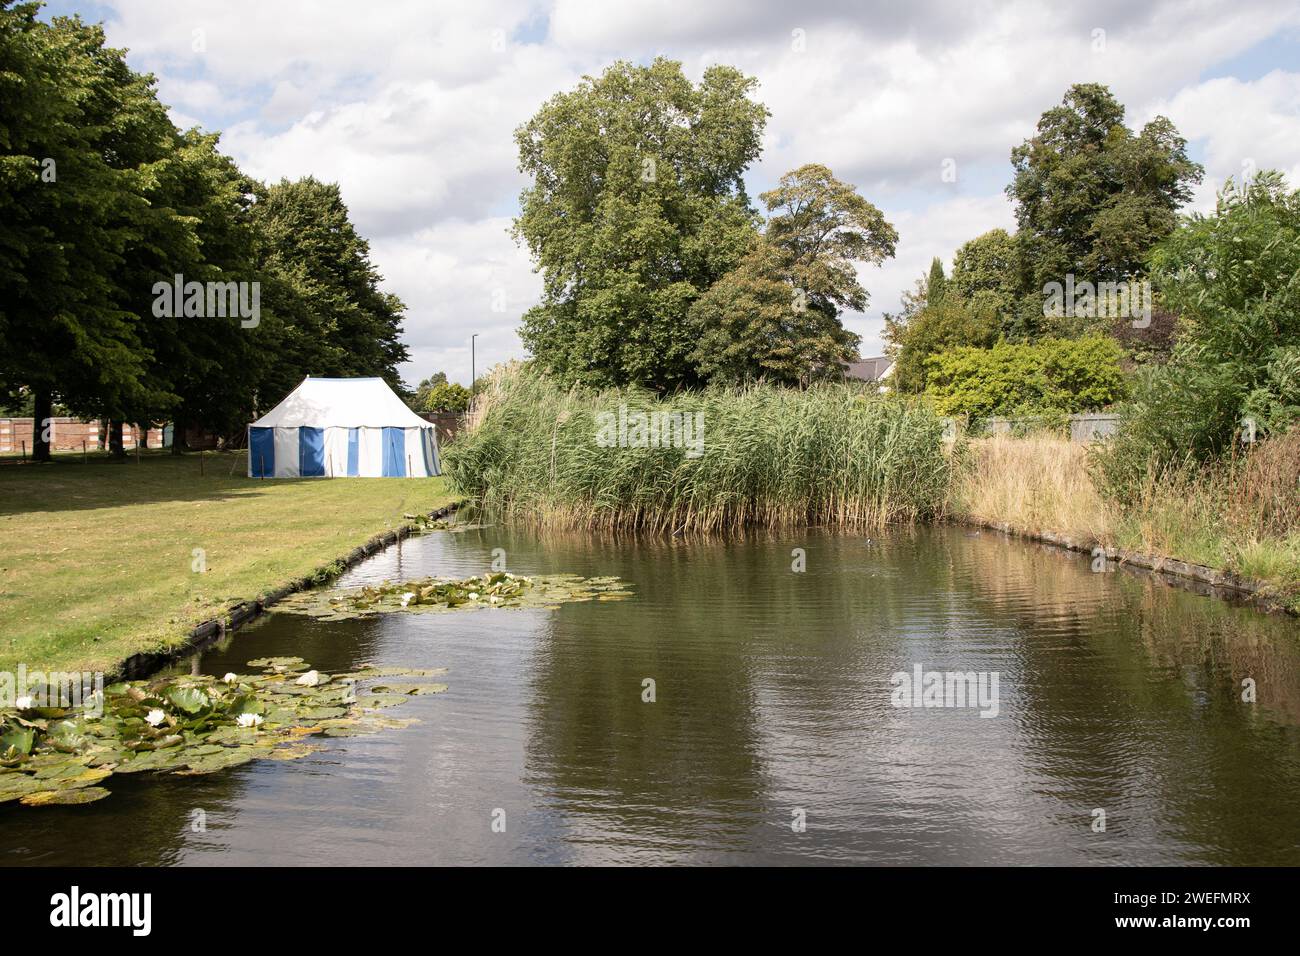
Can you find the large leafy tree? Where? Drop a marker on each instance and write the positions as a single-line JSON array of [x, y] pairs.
[[1092, 196], [986, 273], [102, 197], [636, 207], [203, 369], [1234, 277], [330, 316], [82, 136], [776, 315]]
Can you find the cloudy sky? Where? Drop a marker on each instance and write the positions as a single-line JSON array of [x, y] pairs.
[[410, 106]]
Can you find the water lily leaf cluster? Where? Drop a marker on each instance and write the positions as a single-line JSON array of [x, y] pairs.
[[188, 725], [499, 589], [426, 523]]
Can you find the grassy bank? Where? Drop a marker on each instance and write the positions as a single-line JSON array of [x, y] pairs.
[[1242, 515], [831, 455], [97, 560]]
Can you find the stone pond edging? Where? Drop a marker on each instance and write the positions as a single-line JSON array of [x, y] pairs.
[[144, 663], [1199, 577]]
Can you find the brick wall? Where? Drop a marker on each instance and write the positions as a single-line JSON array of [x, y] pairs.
[[446, 424], [68, 434]]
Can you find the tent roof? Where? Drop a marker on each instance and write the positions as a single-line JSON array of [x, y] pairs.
[[341, 403]]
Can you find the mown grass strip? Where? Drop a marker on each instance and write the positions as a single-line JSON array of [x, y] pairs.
[[102, 560]]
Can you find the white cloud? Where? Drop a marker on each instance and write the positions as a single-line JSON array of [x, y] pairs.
[[1246, 127], [457, 279]]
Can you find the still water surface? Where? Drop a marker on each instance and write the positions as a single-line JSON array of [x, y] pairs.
[[1116, 692]]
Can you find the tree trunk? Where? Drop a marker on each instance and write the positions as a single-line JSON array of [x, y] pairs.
[[41, 424], [179, 447], [115, 445]]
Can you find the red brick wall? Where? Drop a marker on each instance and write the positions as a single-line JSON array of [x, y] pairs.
[[447, 424], [68, 435]]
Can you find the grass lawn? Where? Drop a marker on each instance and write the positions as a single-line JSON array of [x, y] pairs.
[[96, 559]]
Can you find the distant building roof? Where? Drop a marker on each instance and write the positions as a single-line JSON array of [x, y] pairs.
[[869, 369]]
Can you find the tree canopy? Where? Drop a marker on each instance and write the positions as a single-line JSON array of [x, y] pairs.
[[1091, 196], [1092, 200], [636, 207], [656, 270], [776, 315], [102, 198]]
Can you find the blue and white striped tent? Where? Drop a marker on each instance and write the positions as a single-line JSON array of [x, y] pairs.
[[342, 427]]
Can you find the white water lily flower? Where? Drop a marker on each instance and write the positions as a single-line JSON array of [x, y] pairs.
[[249, 720], [22, 703], [154, 717], [309, 679], [406, 598], [230, 678]]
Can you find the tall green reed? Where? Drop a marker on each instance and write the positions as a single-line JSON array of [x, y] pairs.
[[834, 455]]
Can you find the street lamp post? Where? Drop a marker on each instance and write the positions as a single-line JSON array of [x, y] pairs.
[[471, 363]]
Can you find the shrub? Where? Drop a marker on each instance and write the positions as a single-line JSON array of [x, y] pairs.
[[445, 397], [1064, 375], [1234, 277]]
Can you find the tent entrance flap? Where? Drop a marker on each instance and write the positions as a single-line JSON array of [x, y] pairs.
[[261, 453], [311, 452], [394, 452]]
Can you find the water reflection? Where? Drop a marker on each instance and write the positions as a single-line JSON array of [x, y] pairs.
[[772, 696]]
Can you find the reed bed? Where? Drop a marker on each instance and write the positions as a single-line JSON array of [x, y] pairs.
[[1035, 484], [832, 455]]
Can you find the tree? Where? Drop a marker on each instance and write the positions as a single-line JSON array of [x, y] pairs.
[[776, 315], [935, 282], [333, 319], [939, 314], [445, 397], [986, 273], [203, 369], [754, 323], [83, 136], [1092, 197], [420, 399], [1233, 279], [636, 207], [102, 198], [951, 322]]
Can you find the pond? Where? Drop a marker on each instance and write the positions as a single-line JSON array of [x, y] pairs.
[[773, 735]]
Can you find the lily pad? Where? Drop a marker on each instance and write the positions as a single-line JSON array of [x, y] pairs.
[[191, 725], [381, 700], [499, 589], [293, 751], [20, 739], [49, 798], [411, 690], [189, 699], [322, 713], [280, 663]]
